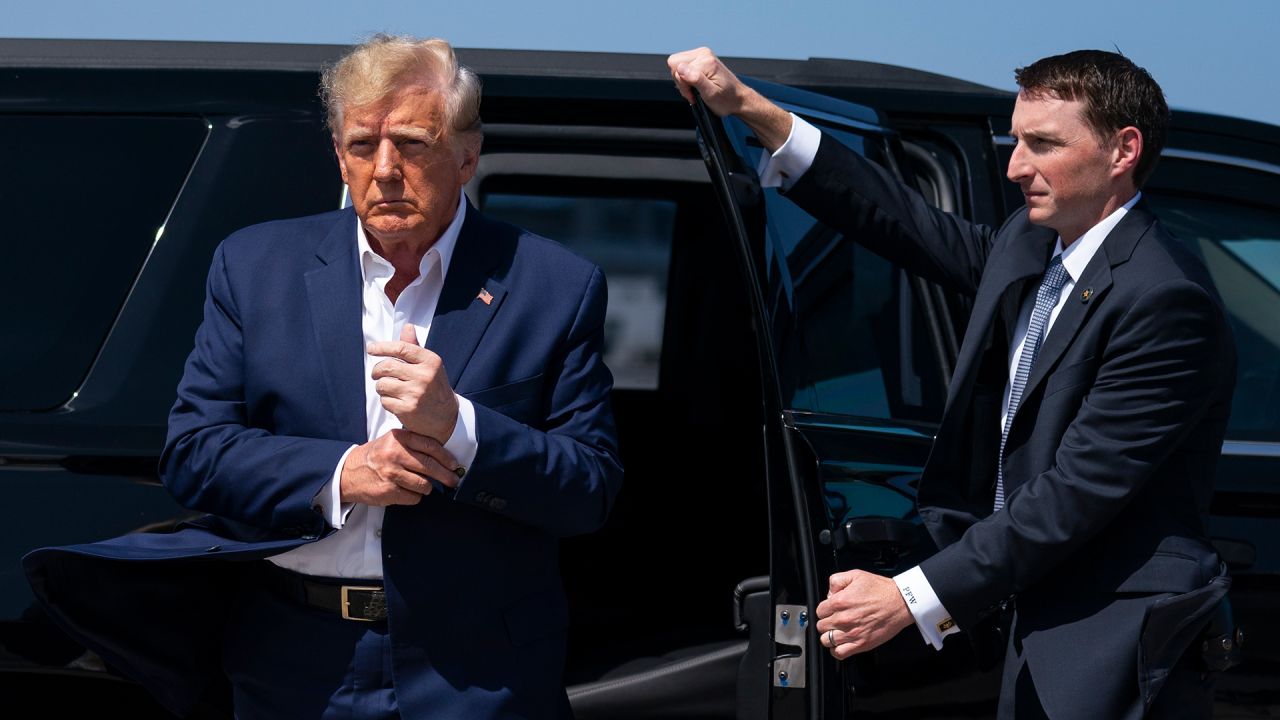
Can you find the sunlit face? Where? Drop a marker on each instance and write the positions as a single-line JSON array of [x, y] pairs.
[[1066, 174], [404, 167]]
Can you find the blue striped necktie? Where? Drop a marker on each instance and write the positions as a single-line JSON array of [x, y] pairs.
[[1046, 298]]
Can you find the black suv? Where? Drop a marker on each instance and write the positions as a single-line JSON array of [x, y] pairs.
[[777, 390]]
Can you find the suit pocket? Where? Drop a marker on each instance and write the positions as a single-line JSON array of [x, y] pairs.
[[536, 616], [508, 394]]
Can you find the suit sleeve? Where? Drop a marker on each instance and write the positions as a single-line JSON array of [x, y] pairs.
[[1165, 365], [562, 477], [860, 199], [213, 460]]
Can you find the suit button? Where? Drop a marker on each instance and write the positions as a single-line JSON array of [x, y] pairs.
[[498, 504], [318, 509]]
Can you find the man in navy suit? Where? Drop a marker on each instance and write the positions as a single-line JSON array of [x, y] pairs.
[[392, 413], [1076, 454]]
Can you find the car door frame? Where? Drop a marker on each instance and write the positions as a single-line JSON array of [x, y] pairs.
[[802, 546]]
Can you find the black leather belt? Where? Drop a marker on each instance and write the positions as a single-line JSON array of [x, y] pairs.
[[364, 602]]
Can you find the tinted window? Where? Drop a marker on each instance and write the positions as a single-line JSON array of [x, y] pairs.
[[629, 236], [847, 325], [1240, 244], [84, 199]]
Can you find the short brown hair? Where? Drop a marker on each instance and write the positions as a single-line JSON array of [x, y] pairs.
[[1116, 94], [383, 64]]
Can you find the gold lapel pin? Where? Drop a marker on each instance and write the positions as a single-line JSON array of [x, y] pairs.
[[485, 297], [1086, 294]]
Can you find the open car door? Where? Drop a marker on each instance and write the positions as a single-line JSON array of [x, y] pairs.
[[855, 356]]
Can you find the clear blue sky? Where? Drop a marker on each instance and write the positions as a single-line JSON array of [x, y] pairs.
[[1220, 56]]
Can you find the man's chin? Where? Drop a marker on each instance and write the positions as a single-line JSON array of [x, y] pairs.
[[387, 227]]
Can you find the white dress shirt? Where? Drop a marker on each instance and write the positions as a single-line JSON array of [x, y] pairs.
[[355, 550], [791, 161]]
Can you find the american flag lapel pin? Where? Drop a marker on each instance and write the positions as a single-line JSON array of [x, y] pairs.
[[485, 297]]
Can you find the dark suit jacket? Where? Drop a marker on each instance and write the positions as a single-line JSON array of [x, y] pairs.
[[1110, 459], [273, 395]]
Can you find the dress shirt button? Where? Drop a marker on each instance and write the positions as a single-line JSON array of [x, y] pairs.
[[378, 532]]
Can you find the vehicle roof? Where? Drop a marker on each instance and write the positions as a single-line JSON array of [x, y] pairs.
[[192, 55], [878, 84]]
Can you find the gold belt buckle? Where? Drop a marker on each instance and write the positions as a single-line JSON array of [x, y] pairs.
[[374, 602]]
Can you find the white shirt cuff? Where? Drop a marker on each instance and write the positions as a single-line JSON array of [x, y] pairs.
[[462, 444], [793, 159], [931, 618], [328, 502]]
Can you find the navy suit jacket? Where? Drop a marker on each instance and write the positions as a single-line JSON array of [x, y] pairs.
[[271, 397], [1110, 460]]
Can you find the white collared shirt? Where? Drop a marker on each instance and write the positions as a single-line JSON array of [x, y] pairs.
[[782, 169], [355, 550]]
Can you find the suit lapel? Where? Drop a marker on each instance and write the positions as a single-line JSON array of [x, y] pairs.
[[1022, 259], [1089, 291], [469, 300], [1087, 294], [333, 291]]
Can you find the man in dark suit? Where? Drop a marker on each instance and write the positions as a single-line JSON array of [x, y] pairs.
[[403, 406], [1075, 458]]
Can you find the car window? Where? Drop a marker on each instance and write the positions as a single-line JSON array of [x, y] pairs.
[[848, 326], [84, 199], [624, 227], [1240, 244]]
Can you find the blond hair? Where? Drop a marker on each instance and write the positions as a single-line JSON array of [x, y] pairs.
[[378, 67]]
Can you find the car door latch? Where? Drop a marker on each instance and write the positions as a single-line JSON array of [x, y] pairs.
[[790, 635]]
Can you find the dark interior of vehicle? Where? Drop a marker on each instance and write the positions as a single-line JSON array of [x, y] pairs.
[[652, 594]]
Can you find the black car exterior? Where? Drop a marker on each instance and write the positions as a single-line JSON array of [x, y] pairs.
[[777, 385]]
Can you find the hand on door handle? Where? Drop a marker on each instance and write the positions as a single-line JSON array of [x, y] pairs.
[[862, 612]]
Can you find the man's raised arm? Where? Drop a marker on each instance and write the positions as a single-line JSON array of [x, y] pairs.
[[725, 94]]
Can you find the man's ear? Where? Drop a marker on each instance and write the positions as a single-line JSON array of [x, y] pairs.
[[342, 163], [470, 158], [1127, 151]]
